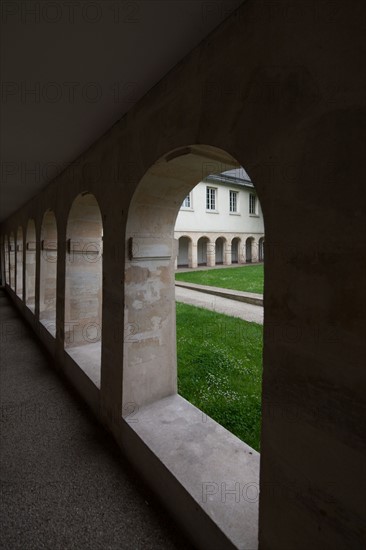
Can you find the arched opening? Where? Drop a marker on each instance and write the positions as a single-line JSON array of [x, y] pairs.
[[219, 251], [83, 285], [6, 259], [202, 248], [249, 250], [261, 249], [19, 263], [192, 430], [150, 360], [235, 244], [48, 272], [184, 252], [30, 266], [12, 261]]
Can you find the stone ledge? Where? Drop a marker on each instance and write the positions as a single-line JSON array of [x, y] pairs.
[[248, 297], [218, 470]]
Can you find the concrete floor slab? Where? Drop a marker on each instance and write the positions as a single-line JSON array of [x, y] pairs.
[[64, 483]]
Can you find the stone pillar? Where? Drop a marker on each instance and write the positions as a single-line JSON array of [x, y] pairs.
[[255, 252], [12, 264], [241, 251], [19, 269], [30, 272], [193, 261], [227, 253], [211, 254]]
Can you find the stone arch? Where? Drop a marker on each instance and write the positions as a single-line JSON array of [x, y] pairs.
[[150, 349], [220, 250], [19, 262], [83, 285], [202, 250], [48, 272], [235, 250], [30, 265], [249, 250]]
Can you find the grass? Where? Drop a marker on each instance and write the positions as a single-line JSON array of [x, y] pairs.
[[247, 278], [220, 369]]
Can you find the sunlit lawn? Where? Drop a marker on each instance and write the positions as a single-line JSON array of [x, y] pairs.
[[247, 278], [220, 368]]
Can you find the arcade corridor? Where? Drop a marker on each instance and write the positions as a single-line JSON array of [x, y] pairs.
[[64, 482]]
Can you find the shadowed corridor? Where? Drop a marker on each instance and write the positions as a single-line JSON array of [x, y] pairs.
[[64, 483]]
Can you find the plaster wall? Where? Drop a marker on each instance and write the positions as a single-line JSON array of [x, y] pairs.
[[197, 218]]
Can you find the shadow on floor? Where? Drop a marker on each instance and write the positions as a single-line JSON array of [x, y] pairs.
[[64, 483]]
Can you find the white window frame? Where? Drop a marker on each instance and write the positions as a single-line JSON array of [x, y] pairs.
[[252, 211], [211, 193], [233, 203], [187, 206]]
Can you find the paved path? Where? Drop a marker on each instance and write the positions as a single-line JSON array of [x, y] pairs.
[[248, 312], [238, 295]]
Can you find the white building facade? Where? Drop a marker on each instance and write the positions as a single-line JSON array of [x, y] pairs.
[[220, 223]]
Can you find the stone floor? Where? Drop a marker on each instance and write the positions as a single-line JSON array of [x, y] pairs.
[[64, 482]]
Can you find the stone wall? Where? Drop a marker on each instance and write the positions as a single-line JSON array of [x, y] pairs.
[[292, 113]]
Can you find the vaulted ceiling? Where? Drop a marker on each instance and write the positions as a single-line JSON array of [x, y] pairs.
[[70, 70]]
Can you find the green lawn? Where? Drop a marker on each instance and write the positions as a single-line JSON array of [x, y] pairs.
[[247, 278], [220, 368]]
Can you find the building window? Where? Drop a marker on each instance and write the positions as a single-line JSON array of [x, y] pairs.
[[252, 204], [233, 201], [210, 198], [187, 203]]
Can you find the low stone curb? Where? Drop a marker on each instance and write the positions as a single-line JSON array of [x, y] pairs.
[[248, 297]]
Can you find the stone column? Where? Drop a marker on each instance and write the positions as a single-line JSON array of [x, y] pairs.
[[255, 246], [192, 255], [241, 251], [19, 269], [227, 253], [211, 254]]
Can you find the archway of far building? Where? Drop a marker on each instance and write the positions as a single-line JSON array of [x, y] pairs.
[[30, 266], [48, 272], [12, 261], [83, 285], [250, 255], [150, 359], [204, 251], [184, 258], [19, 263], [220, 251], [235, 248]]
